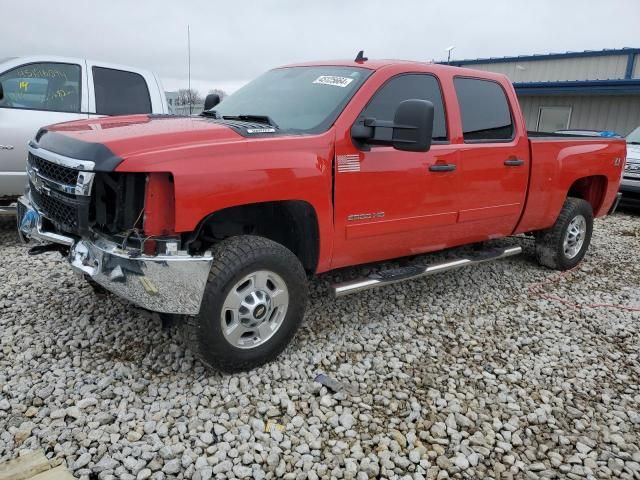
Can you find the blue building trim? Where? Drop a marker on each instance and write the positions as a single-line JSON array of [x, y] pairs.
[[630, 61], [580, 87], [548, 56]]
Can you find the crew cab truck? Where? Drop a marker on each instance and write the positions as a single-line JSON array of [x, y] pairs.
[[41, 90], [308, 168]]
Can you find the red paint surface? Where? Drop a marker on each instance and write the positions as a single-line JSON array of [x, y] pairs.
[[213, 168], [159, 202]]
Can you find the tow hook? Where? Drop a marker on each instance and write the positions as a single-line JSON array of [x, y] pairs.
[[49, 247]]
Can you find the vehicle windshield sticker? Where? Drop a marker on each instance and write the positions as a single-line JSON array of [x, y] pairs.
[[36, 72], [333, 80], [261, 130]]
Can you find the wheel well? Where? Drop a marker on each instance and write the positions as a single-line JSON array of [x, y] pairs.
[[592, 189], [291, 223]]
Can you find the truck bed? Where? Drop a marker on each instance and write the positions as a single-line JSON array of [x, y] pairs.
[[557, 160]]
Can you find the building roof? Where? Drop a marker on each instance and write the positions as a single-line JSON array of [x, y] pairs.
[[580, 87], [620, 76], [547, 56]]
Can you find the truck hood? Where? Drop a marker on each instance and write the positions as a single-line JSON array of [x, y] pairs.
[[108, 141]]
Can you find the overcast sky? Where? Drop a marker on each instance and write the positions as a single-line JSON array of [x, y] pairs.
[[233, 41]]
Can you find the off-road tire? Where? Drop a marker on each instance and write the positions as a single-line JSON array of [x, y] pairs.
[[233, 259], [549, 243]]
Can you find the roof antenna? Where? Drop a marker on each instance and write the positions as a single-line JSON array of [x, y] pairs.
[[360, 57]]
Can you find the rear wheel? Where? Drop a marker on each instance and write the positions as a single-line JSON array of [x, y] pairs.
[[564, 245], [253, 304]]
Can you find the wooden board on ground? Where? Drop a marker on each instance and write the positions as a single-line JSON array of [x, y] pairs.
[[58, 473], [32, 466]]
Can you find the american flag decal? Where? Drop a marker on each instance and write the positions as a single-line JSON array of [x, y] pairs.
[[348, 163]]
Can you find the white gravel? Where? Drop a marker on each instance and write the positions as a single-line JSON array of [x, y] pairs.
[[499, 371]]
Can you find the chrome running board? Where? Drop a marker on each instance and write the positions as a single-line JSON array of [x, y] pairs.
[[387, 277]]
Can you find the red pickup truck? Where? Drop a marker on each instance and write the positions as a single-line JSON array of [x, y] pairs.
[[308, 168]]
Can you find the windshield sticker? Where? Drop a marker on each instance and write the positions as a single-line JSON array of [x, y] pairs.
[[36, 72], [333, 80], [261, 130]]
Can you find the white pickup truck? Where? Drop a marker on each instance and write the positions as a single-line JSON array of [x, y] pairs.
[[41, 90]]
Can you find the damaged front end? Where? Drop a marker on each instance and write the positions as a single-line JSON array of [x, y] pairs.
[[98, 220]]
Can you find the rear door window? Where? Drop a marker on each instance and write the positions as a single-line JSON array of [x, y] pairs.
[[119, 92], [52, 87], [405, 87], [484, 109]]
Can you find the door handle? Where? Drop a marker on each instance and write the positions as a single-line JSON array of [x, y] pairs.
[[442, 167], [513, 162]]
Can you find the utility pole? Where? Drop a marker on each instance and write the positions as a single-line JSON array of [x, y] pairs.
[[449, 50], [189, 96]]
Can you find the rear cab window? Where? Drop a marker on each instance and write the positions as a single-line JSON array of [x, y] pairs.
[[423, 86], [44, 86], [119, 92], [484, 110]]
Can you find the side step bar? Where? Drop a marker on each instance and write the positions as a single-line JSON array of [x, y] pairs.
[[387, 277]]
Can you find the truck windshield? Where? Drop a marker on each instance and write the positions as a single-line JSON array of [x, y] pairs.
[[634, 137], [296, 99]]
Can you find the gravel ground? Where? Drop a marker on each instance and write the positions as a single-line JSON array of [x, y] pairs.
[[505, 370]]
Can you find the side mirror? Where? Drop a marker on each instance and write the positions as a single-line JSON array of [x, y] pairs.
[[413, 126], [211, 101], [1, 92], [410, 131]]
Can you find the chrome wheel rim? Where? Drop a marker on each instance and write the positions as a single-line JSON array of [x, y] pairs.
[[254, 309], [574, 237]]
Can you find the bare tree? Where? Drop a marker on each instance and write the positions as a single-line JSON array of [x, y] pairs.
[[188, 97], [221, 93]]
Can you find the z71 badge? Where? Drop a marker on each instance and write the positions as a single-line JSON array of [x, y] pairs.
[[364, 216]]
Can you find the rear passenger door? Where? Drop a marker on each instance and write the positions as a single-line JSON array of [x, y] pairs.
[[494, 160], [118, 92]]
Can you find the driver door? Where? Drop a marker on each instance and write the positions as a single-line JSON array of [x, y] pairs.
[[391, 203]]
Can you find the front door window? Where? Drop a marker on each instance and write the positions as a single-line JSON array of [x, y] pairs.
[[42, 86]]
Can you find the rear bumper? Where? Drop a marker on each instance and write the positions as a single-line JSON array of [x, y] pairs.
[[630, 190], [12, 184], [8, 210], [164, 283]]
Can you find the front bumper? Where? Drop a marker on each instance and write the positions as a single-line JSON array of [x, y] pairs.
[[164, 283]]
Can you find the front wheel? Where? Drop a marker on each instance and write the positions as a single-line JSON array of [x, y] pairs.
[[564, 245], [253, 304]]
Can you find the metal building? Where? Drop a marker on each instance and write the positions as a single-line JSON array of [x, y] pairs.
[[595, 90]]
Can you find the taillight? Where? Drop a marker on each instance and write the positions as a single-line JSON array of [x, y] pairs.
[[159, 205]]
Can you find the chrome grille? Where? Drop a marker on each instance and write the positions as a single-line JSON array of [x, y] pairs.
[[64, 213], [60, 188], [632, 170], [52, 171]]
